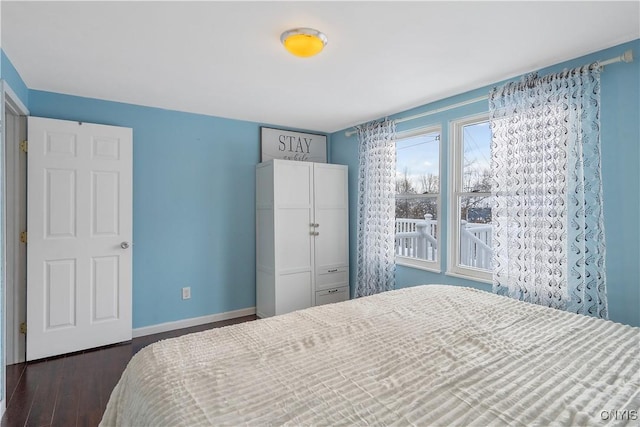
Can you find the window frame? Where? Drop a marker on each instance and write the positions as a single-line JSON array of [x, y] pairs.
[[455, 193], [423, 264]]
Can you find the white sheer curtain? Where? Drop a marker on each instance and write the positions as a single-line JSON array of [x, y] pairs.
[[376, 208], [548, 229]]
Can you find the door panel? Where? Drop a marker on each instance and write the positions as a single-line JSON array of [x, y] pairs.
[[79, 211], [331, 215], [332, 241], [293, 253], [105, 203], [293, 207], [60, 204], [293, 184], [60, 293], [294, 292]]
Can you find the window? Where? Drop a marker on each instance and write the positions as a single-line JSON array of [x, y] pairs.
[[418, 199], [470, 251]]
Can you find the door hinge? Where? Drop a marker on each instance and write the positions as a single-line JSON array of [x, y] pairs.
[[24, 146], [23, 328], [23, 237]]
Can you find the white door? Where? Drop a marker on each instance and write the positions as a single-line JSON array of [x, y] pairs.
[[293, 189], [79, 223], [331, 216]]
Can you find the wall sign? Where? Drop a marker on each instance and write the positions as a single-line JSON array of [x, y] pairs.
[[289, 145]]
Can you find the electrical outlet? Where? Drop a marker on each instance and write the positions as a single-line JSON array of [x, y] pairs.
[[186, 292]]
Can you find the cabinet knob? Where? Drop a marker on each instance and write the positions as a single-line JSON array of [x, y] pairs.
[[314, 233], [314, 224]]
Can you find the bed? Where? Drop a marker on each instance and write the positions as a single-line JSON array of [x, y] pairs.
[[431, 355]]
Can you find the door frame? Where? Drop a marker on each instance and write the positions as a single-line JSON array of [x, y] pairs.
[[15, 174], [9, 102]]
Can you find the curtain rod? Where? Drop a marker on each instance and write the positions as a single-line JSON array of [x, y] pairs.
[[627, 56]]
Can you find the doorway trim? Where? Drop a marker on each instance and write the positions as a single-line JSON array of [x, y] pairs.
[[9, 102]]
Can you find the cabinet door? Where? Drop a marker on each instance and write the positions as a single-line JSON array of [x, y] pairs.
[[293, 247], [331, 217]]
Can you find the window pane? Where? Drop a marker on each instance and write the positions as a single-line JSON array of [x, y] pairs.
[[416, 207], [476, 167], [417, 188], [475, 231], [416, 229], [418, 164]]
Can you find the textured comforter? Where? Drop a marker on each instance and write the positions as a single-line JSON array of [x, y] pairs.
[[429, 355]]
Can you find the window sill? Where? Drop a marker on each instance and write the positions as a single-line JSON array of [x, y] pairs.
[[469, 277], [418, 264]]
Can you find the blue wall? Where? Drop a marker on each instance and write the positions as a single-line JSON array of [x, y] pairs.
[[193, 205], [10, 75], [620, 97], [193, 202]]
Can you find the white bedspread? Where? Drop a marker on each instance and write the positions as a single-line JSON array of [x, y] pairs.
[[429, 355]]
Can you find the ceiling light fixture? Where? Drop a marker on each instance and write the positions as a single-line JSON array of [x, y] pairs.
[[303, 42]]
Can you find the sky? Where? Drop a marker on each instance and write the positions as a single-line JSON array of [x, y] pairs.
[[419, 155], [477, 145]]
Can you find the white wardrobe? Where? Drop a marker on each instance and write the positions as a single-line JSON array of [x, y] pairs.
[[302, 235]]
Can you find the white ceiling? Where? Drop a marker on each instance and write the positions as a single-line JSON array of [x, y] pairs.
[[225, 58]]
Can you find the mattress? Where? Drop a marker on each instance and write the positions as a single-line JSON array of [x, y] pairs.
[[430, 355]]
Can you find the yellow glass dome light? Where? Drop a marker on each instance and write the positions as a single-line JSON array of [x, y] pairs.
[[303, 42]]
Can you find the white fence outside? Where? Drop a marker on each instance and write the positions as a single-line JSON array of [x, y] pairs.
[[416, 238]]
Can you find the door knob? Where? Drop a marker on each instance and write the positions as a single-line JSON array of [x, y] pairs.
[[124, 245]]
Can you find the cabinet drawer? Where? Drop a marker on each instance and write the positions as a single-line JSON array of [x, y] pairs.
[[332, 295], [332, 277]]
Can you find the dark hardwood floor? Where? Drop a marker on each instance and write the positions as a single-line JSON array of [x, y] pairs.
[[73, 390]]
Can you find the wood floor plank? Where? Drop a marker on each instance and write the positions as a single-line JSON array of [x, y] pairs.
[[114, 361], [14, 373], [67, 401], [44, 402], [89, 408], [18, 409], [22, 400]]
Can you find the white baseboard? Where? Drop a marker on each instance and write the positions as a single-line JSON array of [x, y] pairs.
[[194, 321]]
